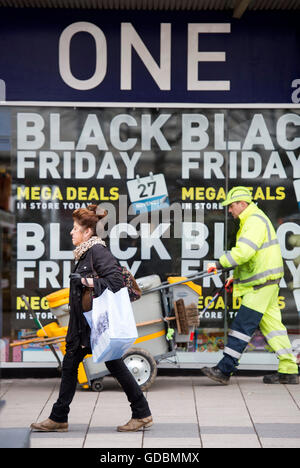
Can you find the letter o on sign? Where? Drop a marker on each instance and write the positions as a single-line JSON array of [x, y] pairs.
[[64, 55]]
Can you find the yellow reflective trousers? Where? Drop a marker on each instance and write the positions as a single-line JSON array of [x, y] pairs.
[[265, 301]]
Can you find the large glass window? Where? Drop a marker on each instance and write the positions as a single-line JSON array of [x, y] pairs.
[[162, 174]]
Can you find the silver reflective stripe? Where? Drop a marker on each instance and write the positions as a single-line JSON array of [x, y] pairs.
[[282, 351], [255, 247], [272, 271], [267, 283], [274, 333], [266, 223], [245, 194], [232, 352], [231, 259], [239, 335], [251, 244], [268, 244]]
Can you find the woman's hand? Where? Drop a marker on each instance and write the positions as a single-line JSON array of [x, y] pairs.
[[89, 282]]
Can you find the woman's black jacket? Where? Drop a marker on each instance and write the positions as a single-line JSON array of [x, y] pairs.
[[98, 260]]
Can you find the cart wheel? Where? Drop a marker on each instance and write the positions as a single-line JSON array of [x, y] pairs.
[[142, 365], [97, 385]]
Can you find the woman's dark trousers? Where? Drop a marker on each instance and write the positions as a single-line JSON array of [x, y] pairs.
[[117, 368]]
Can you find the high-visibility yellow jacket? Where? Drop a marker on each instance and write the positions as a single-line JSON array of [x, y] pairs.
[[256, 257]]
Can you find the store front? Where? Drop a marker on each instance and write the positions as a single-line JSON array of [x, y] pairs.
[[154, 116]]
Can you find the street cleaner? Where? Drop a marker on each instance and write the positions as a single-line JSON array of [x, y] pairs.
[[258, 268]]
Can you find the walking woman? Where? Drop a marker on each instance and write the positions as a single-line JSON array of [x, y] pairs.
[[98, 269]]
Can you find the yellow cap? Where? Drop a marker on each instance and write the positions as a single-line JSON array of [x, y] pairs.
[[238, 194], [58, 298]]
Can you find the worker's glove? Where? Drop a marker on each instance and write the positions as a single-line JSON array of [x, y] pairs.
[[229, 284], [211, 267]]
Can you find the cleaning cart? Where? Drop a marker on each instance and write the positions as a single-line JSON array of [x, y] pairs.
[[150, 347], [165, 315]]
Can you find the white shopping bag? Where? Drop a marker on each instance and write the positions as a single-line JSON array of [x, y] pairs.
[[113, 328]]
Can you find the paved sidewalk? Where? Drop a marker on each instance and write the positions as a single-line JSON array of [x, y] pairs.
[[189, 412]]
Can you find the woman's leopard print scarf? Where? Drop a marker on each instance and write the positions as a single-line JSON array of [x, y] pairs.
[[82, 248]]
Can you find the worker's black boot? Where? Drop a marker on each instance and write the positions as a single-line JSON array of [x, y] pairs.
[[279, 378], [215, 374]]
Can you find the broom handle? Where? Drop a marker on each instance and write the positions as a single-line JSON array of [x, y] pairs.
[[36, 340], [151, 322]]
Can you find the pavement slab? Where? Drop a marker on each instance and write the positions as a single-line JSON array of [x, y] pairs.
[[190, 412]]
